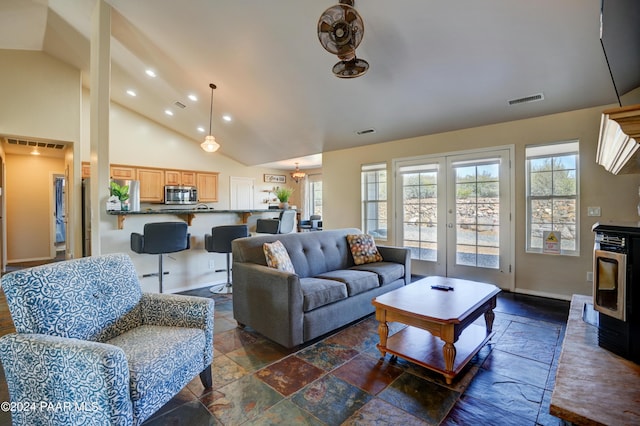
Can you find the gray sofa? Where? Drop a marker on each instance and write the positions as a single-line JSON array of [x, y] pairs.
[[326, 291]]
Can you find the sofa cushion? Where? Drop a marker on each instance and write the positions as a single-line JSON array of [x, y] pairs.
[[318, 292], [363, 249], [387, 272], [356, 281], [277, 256], [153, 353]]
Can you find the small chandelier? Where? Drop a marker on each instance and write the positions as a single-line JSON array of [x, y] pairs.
[[210, 144], [297, 174]]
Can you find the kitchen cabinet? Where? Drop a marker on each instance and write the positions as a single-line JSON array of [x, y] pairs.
[[151, 185], [123, 172], [207, 184], [178, 177], [188, 178]]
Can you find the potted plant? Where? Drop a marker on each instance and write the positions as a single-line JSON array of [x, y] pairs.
[[283, 194], [121, 192]]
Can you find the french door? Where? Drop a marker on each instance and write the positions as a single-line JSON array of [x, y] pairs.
[[454, 212]]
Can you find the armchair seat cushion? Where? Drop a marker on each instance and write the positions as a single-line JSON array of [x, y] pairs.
[[387, 272], [356, 281], [318, 292], [161, 359]]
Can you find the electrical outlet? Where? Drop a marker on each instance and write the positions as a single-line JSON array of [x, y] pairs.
[[212, 264], [589, 276], [593, 211]]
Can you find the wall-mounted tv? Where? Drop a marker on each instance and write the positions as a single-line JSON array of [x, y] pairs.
[[620, 37]]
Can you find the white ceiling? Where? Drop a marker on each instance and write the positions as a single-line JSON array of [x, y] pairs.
[[435, 66]]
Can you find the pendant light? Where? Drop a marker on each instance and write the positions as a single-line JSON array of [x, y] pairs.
[[297, 174], [210, 144]]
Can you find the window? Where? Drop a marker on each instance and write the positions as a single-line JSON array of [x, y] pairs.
[[477, 204], [374, 200], [313, 195], [420, 210], [315, 187], [553, 195]]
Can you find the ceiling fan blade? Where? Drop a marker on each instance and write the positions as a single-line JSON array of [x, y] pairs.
[[325, 27]]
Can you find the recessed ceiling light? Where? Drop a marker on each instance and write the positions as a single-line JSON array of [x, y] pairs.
[[132, 93], [150, 73], [201, 129], [227, 118], [194, 98], [168, 112]]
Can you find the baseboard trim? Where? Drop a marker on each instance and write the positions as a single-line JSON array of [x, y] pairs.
[[542, 294]]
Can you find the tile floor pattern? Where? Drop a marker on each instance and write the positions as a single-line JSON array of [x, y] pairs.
[[340, 379]]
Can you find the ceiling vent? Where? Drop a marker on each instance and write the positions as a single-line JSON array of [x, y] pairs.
[[365, 132], [180, 105], [527, 99], [23, 142]]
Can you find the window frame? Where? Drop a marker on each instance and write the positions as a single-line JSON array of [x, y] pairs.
[[367, 202], [550, 151]]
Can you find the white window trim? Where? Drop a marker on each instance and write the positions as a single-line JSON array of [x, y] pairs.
[[543, 151], [373, 167]]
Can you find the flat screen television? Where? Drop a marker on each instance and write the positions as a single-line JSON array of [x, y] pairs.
[[620, 38]]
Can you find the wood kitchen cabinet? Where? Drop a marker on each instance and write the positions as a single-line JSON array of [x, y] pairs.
[[151, 185], [178, 177], [207, 184], [123, 172]]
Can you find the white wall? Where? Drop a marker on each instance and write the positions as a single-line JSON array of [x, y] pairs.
[[557, 276], [41, 100]]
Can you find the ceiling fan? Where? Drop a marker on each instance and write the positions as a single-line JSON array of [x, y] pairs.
[[340, 30]]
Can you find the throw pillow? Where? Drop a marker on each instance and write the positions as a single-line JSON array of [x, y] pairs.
[[363, 248], [277, 256]]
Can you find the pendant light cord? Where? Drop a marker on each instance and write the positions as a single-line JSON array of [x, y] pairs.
[[213, 86]]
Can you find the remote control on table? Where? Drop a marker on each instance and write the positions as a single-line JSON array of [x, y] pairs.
[[441, 287]]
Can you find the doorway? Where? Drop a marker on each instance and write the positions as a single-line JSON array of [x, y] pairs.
[[36, 229], [59, 225], [454, 213]]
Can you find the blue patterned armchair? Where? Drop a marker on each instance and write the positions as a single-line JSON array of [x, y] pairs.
[[92, 349]]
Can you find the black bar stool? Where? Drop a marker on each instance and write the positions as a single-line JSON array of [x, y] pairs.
[[160, 238], [219, 241]]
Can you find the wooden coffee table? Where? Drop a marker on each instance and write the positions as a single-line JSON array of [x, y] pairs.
[[432, 314]]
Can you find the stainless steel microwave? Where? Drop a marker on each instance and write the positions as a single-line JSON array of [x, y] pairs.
[[180, 194]]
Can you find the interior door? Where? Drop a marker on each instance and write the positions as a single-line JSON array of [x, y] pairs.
[[241, 193]]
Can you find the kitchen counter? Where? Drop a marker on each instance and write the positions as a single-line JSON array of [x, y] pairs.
[[593, 386], [187, 213]]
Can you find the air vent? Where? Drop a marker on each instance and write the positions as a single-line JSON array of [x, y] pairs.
[[527, 99], [180, 105], [34, 143], [365, 132]]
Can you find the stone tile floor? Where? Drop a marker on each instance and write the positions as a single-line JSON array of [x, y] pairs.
[[340, 379]]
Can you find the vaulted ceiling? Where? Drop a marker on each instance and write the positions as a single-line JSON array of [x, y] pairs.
[[435, 66]]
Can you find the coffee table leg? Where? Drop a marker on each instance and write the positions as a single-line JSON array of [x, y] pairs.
[[489, 316], [383, 331], [449, 353]]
